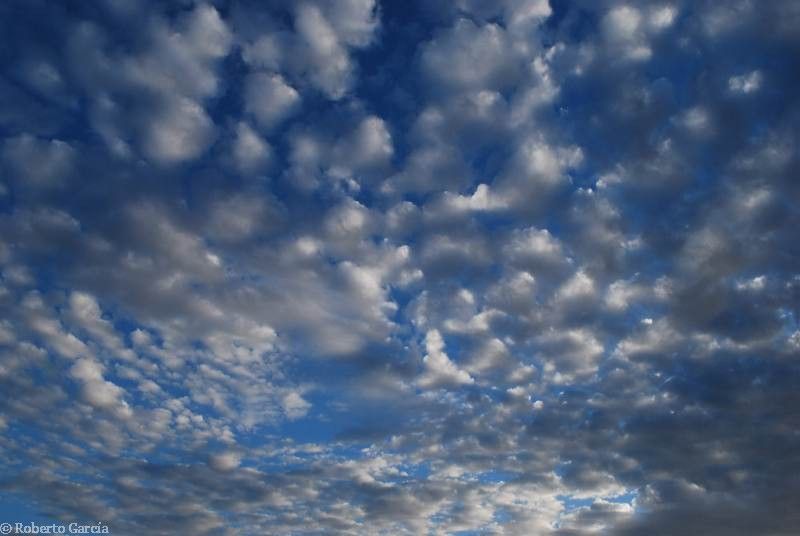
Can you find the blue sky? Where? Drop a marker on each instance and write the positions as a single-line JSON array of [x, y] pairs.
[[358, 267]]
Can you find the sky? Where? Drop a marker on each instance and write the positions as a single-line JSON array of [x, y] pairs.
[[514, 267]]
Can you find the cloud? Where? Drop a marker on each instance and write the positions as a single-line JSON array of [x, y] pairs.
[[95, 389], [250, 152], [467, 56], [227, 461], [295, 406], [324, 42], [351, 155], [356, 267], [745, 83], [269, 98], [157, 100], [535, 248], [439, 370], [37, 163], [180, 132]]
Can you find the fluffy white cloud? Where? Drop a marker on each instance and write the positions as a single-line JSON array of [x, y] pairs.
[[38, 163], [97, 391], [439, 370], [745, 83], [467, 56], [180, 131], [535, 248], [369, 145], [225, 461], [269, 98], [250, 151], [577, 288], [624, 29], [295, 405], [328, 64], [155, 95]]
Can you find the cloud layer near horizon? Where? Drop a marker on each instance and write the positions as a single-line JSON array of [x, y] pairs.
[[347, 267]]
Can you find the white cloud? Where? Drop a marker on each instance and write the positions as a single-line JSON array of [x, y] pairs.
[[225, 461], [269, 98], [250, 151], [38, 163], [696, 120], [491, 356], [755, 284], [623, 28], [369, 145], [482, 200], [348, 221], [86, 312], [469, 57], [206, 34], [97, 391], [573, 352], [238, 217], [181, 130], [50, 329], [534, 248], [295, 405], [329, 66], [655, 338], [514, 293], [155, 94], [745, 83], [621, 294], [579, 287], [430, 168], [355, 21], [661, 17], [536, 170], [439, 370]]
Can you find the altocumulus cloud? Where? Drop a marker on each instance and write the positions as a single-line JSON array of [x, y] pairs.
[[427, 267]]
